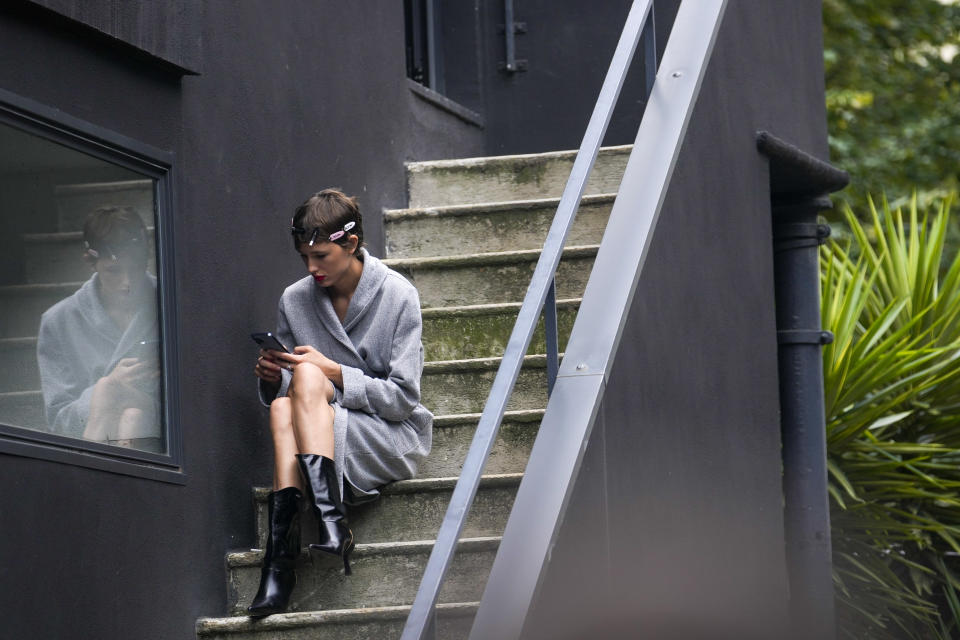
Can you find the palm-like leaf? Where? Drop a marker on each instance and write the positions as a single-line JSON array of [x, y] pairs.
[[892, 398]]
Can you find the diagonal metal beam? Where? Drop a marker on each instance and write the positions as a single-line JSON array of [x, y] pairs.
[[422, 611], [558, 451]]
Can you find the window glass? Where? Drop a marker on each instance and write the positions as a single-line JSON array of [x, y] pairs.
[[424, 50], [79, 323]]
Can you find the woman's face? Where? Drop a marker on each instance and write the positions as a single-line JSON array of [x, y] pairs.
[[124, 277], [327, 262]]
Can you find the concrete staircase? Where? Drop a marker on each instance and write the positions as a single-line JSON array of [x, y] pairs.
[[469, 242]]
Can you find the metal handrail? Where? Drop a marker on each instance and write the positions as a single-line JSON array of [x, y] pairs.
[[420, 623], [539, 512]]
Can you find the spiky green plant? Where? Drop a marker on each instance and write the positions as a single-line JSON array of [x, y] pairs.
[[892, 399]]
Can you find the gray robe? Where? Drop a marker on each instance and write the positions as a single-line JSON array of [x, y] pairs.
[[381, 431], [78, 343]]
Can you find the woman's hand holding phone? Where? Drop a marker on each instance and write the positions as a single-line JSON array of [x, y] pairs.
[[268, 367], [307, 354]]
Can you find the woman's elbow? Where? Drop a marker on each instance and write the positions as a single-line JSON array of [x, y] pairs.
[[401, 409]]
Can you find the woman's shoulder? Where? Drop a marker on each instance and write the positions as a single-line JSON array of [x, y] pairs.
[[392, 283], [397, 282], [400, 288], [81, 303]]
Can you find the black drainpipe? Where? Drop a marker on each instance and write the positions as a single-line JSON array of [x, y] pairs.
[[799, 186]]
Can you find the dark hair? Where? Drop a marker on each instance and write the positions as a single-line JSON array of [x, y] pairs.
[[324, 214], [108, 229]]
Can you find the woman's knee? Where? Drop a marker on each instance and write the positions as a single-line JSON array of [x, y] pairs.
[[281, 417], [308, 381], [280, 407]]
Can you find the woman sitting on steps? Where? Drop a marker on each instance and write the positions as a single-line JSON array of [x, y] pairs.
[[345, 412]]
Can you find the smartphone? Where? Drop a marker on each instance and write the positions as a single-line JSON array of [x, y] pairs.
[[268, 341], [144, 350]]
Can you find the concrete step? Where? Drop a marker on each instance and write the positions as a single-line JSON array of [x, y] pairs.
[[384, 574], [54, 257], [58, 257], [23, 409], [469, 242], [23, 305], [412, 510], [372, 623], [19, 371], [461, 386], [447, 387], [76, 201], [489, 226], [485, 278], [452, 435], [483, 330], [499, 178]]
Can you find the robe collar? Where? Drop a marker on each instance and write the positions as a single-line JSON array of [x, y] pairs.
[[374, 273], [91, 308]]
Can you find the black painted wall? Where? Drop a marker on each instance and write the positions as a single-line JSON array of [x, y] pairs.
[[567, 54], [566, 49], [678, 503], [287, 102]]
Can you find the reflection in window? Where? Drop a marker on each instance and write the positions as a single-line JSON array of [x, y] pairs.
[[79, 320]]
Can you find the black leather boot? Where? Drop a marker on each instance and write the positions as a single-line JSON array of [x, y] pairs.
[[278, 577], [324, 494]]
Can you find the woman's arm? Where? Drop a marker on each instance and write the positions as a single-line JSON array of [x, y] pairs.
[[119, 391], [393, 397], [398, 394], [276, 382], [66, 390], [79, 405]]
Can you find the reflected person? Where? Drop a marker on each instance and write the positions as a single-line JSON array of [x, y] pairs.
[[97, 350]]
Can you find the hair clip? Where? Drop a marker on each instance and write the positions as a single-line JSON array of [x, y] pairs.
[[339, 234], [93, 253], [300, 232]]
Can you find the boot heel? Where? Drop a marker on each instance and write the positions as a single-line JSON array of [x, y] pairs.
[[335, 537], [347, 550]]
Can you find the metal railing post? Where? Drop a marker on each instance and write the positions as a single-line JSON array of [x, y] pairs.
[[550, 331], [650, 53]]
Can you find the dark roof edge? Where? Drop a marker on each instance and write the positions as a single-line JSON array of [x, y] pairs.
[[31, 10]]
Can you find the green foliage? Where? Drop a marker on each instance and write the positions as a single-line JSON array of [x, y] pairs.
[[893, 94], [892, 400]]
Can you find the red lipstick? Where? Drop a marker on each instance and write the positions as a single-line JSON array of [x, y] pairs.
[[318, 279]]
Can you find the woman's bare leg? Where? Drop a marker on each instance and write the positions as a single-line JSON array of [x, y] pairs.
[[310, 394], [286, 473]]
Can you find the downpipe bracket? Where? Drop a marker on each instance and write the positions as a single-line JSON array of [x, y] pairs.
[[799, 235], [804, 336]]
